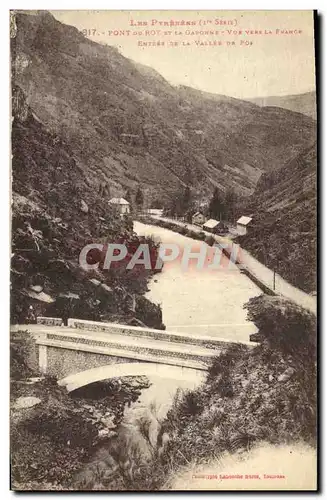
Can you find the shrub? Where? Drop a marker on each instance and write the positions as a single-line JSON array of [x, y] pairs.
[[227, 359], [210, 240], [193, 234], [283, 324], [20, 347]]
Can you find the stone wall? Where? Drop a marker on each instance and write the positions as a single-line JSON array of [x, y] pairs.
[[45, 320], [61, 363]]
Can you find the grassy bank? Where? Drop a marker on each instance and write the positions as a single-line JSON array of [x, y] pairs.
[[265, 395]]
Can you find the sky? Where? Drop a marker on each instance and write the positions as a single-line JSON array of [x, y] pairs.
[[259, 57]]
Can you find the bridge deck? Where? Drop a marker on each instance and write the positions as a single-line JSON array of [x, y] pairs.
[[125, 342], [110, 329], [64, 349]]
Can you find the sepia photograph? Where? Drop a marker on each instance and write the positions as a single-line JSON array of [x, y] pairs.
[[163, 278]]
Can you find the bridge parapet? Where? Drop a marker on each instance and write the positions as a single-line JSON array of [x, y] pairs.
[[151, 333], [45, 320]]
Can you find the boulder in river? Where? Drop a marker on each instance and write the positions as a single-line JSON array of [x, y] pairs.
[[284, 377], [36, 288], [26, 402], [95, 282], [84, 207]]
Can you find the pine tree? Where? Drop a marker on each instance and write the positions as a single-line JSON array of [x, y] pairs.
[[186, 200], [216, 207], [139, 198], [230, 202], [128, 196]]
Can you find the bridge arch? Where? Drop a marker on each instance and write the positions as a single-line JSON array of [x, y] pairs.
[[86, 377]]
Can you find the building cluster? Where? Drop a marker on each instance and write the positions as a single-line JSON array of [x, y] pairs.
[[219, 227], [124, 207], [211, 225]]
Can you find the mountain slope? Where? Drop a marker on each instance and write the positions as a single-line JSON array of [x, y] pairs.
[[127, 126], [284, 207], [300, 103], [55, 213]]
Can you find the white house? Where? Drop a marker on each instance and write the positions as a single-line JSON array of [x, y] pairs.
[[198, 218], [122, 205], [242, 224], [215, 226]]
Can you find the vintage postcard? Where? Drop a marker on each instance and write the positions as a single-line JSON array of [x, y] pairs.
[[163, 259]]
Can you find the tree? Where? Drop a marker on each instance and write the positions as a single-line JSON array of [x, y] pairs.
[[216, 205], [186, 200], [139, 198], [128, 196], [229, 203], [104, 190], [157, 203], [180, 204]]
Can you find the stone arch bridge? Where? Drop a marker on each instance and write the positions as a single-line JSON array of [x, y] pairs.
[[87, 351]]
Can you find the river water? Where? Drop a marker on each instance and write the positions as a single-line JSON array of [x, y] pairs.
[[200, 301], [203, 302]]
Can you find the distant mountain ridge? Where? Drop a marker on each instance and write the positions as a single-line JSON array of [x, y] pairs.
[[300, 103], [128, 127]]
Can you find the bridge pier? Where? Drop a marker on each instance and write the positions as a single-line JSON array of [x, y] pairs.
[[42, 352], [43, 359]]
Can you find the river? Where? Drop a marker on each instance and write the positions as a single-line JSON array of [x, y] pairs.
[[201, 301], [195, 301]]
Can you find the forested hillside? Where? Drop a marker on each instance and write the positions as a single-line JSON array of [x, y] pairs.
[[284, 206]]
